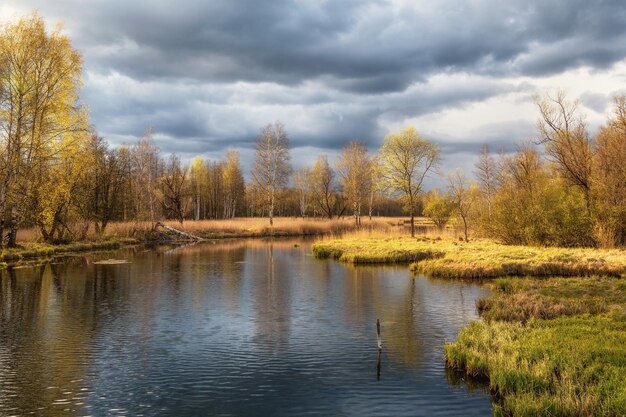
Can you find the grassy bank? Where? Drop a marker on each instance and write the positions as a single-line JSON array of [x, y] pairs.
[[552, 347], [477, 259], [31, 250]]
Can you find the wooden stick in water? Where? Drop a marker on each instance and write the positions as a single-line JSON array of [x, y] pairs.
[[380, 343]]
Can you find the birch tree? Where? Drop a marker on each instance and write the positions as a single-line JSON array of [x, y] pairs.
[[354, 166], [271, 168]]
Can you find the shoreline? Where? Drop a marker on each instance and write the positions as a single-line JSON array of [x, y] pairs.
[[552, 335], [33, 251]]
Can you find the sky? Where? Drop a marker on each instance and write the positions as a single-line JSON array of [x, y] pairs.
[[208, 74]]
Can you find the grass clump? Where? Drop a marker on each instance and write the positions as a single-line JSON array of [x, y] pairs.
[[550, 346], [568, 366], [477, 259], [548, 298]]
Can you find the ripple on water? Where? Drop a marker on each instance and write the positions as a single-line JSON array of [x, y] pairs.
[[250, 329]]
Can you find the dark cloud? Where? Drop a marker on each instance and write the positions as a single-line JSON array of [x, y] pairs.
[[208, 74]]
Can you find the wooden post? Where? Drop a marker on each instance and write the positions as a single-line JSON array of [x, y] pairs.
[[380, 343]]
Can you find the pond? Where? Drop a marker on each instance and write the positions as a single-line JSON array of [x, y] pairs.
[[230, 328]]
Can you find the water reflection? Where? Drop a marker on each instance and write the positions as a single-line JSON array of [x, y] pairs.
[[232, 328]]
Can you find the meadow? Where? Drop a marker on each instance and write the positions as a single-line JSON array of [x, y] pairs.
[[480, 258]]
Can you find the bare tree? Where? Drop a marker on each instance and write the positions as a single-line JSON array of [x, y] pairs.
[[354, 166], [176, 193], [302, 183], [406, 159], [324, 186], [486, 171], [459, 190], [145, 167], [567, 141], [271, 167], [234, 187]]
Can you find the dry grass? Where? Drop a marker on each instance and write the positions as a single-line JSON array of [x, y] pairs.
[[239, 227], [443, 257]]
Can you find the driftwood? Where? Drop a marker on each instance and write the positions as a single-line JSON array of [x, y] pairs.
[[185, 235]]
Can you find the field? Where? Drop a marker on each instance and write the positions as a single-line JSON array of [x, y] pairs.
[[444, 257]]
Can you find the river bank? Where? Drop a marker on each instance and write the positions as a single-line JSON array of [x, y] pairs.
[[552, 346], [548, 346], [477, 259], [131, 233]]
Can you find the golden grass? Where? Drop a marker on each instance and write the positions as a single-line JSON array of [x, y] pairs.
[[238, 227], [442, 257]]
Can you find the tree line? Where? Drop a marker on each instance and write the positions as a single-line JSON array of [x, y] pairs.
[[565, 187]]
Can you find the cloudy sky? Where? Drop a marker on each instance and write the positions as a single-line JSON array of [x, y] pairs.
[[207, 74]]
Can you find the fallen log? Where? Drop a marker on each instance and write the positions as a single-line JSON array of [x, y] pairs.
[[186, 235]]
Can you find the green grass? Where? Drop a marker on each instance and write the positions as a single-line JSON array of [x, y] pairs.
[[42, 250], [550, 347], [478, 259], [568, 366]]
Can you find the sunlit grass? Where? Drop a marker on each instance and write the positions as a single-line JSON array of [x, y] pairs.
[[239, 227], [547, 298], [568, 366], [444, 257], [30, 250]]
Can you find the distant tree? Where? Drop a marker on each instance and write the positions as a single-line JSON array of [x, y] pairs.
[[302, 182], [234, 186], [460, 192], [104, 183], [324, 186], [271, 168], [354, 166], [439, 208], [145, 174], [176, 193], [486, 171], [406, 159]]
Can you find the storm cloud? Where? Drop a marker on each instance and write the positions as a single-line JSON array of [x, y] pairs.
[[208, 74]]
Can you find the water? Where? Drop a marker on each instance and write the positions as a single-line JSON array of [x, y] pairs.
[[238, 328]]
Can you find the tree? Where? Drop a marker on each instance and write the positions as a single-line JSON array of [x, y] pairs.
[[302, 183], [40, 78], [610, 178], [460, 192], [199, 176], [104, 183], [324, 186], [406, 159], [271, 167], [234, 187], [145, 172], [354, 167], [176, 192], [439, 208], [486, 171], [567, 141]]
